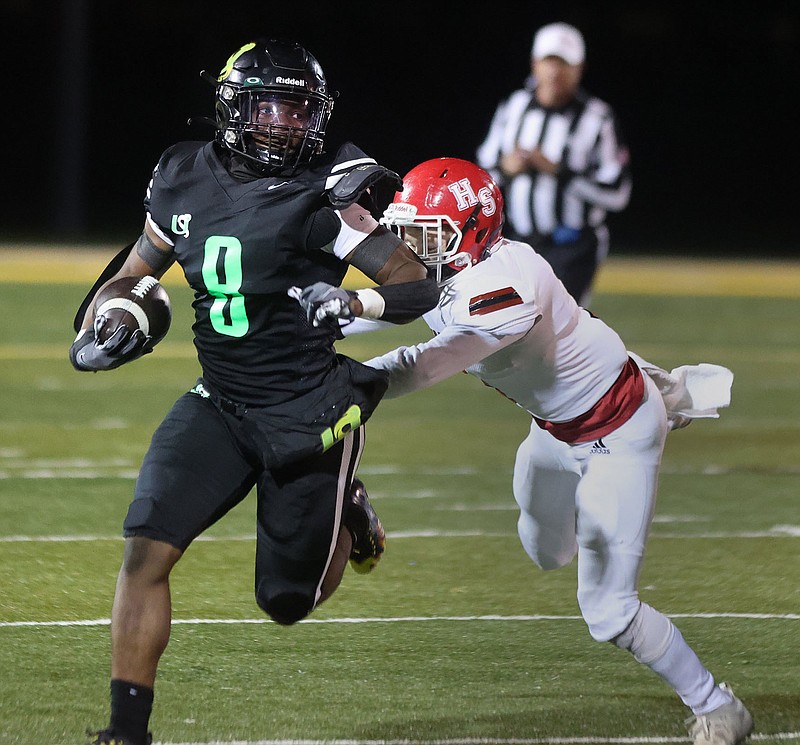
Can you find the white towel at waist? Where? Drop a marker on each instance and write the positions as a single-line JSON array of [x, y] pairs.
[[690, 391]]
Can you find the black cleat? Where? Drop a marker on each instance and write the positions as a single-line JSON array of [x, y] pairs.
[[107, 737], [369, 537]]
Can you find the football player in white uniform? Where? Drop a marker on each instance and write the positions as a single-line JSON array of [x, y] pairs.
[[585, 478]]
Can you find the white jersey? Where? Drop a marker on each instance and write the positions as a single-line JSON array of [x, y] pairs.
[[509, 321], [587, 487]]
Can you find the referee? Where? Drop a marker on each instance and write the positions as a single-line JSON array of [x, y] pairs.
[[558, 155]]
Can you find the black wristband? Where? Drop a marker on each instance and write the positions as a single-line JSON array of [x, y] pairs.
[[153, 256]]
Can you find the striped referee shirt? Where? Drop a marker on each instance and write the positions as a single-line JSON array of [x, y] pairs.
[[594, 175]]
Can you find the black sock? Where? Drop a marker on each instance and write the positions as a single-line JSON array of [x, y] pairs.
[[131, 705]]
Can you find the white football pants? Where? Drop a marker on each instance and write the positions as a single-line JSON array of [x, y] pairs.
[[595, 499]]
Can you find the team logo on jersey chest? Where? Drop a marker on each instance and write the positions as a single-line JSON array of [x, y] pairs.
[[180, 224]]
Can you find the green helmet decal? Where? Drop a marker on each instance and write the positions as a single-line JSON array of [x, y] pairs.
[[232, 60]]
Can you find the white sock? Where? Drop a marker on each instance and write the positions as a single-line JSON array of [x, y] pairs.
[[656, 642]]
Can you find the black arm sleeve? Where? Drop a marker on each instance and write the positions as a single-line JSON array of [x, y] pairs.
[[407, 301], [374, 251], [113, 267]]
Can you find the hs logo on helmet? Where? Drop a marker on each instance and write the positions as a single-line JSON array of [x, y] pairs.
[[466, 198]]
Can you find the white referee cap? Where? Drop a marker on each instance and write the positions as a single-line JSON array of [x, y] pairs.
[[559, 40]]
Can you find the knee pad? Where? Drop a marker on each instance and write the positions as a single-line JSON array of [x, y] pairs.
[[547, 558], [285, 608], [607, 614], [647, 636]]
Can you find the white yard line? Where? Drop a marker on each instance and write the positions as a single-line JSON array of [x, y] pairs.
[[587, 740], [777, 531], [393, 619]]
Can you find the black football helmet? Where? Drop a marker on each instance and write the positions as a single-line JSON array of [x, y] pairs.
[[273, 104]]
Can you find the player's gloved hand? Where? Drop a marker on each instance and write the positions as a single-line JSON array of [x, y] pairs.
[[89, 355], [321, 301]]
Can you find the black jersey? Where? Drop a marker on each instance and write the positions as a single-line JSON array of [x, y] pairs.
[[241, 245]]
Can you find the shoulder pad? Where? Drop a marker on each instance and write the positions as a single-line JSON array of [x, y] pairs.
[[348, 152], [353, 184]]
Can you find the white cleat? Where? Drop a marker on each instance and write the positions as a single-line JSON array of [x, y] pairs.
[[730, 724]]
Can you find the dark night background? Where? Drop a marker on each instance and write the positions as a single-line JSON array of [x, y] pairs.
[[94, 90]]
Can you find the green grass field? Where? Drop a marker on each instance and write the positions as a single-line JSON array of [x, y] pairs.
[[457, 638]]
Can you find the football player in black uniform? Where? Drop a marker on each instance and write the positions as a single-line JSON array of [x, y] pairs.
[[251, 217]]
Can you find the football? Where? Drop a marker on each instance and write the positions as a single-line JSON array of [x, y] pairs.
[[138, 303]]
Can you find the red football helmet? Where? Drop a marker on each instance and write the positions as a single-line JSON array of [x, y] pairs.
[[450, 212]]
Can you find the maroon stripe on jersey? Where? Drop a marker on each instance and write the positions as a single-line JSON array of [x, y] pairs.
[[495, 300]]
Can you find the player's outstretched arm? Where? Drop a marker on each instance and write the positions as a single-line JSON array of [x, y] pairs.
[[404, 292], [448, 353]]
